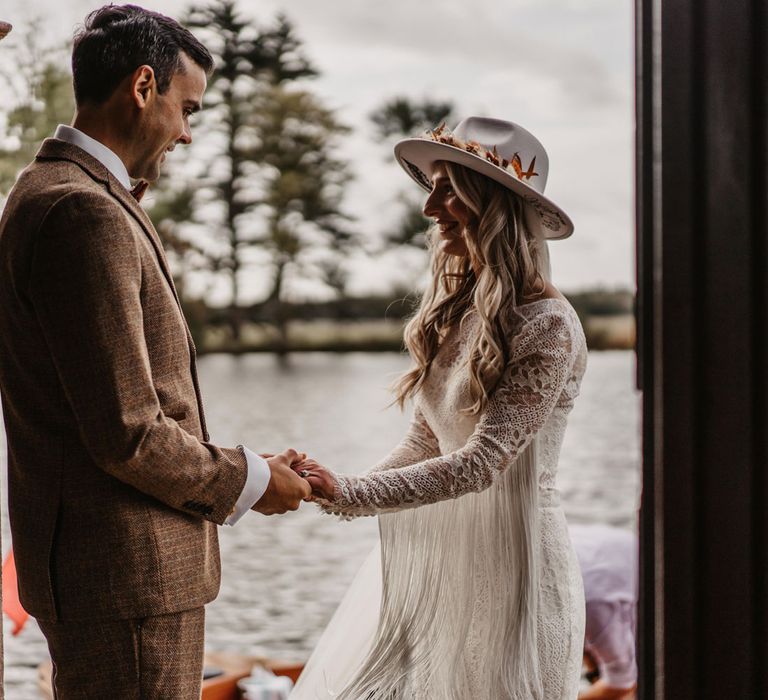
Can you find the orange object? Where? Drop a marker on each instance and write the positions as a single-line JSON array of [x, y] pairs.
[[235, 667], [11, 604], [224, 687]]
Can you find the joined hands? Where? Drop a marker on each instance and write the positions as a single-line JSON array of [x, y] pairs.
[[294, 478], [286, 488], [318, 477]]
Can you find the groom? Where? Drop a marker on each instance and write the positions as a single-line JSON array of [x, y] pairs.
[[115, 491]]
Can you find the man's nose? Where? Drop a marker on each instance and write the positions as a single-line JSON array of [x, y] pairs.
[[186, 136]]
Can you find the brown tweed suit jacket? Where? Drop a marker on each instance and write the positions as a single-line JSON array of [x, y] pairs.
[[114, 489]]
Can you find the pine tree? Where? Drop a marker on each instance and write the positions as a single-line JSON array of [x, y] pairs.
[[43, 99], [271, 174], [403, 117], [399, 118]]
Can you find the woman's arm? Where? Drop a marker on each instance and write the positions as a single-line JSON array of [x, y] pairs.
[[519, 407]]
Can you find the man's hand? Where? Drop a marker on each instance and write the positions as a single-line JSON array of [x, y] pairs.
[[286, 489]]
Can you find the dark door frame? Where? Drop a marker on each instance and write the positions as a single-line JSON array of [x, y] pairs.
[[702, 81]]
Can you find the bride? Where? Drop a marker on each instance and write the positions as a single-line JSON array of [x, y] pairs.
[[476, 591]]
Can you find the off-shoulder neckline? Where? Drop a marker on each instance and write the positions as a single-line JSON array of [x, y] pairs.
[[559, 300], [523, 308]]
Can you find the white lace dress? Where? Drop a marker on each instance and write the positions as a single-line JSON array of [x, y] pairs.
[[476, 593]]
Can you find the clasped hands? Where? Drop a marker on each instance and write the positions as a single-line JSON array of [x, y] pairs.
[[293, 478]]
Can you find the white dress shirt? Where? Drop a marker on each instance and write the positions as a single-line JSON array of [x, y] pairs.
[[259, 474]]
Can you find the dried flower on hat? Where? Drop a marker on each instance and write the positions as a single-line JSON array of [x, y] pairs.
[[517, 165], [442, 134]]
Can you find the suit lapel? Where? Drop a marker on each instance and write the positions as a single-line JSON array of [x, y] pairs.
[[138, 213], [134, 208]]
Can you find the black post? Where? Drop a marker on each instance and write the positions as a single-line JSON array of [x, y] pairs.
[[706, 393], [644, 324]]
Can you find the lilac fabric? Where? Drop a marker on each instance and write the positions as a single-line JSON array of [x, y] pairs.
[[608, 560]]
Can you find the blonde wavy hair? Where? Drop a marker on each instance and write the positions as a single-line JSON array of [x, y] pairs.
[[505, 264]]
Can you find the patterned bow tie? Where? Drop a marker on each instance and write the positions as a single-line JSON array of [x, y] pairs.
[[140, 190]]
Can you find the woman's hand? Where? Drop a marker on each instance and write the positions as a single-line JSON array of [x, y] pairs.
[[320, 479]]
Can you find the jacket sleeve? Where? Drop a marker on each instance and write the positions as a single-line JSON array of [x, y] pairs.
[[85, 287], [518, 408]]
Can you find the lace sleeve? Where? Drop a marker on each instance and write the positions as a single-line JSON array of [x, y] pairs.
[[523, 400], [418, 444]]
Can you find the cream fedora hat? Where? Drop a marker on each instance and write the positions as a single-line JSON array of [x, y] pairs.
[[501, 150]]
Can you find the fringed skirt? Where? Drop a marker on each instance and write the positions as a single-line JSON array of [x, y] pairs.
[[478, 597]]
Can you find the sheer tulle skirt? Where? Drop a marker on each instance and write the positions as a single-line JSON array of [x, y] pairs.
[[347, 638]]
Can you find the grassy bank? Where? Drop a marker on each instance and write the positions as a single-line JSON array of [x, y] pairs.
[[613, 332]]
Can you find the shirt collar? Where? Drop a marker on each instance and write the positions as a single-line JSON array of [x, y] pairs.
[[108, 158]]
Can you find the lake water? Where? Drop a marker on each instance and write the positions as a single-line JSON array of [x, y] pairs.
[[284, 575]]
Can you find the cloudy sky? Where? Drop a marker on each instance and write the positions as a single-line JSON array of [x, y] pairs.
[[561, 68]]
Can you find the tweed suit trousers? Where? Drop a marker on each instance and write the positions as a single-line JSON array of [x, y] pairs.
[[154, 658]]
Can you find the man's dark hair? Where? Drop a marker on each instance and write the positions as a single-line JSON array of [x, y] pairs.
[[116, 39]]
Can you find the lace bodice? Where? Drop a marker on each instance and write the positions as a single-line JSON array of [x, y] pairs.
[[447, 453]]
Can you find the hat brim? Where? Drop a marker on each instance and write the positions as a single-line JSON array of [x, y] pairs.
[[417, 156]]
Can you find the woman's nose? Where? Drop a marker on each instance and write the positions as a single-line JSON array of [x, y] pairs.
[[432, 205]]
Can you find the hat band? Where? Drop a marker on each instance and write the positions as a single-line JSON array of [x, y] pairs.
[[514, 165]]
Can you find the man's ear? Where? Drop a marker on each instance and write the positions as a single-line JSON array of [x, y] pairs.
[[143, 85]]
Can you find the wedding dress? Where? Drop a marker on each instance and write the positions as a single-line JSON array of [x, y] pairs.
[[476, 593]]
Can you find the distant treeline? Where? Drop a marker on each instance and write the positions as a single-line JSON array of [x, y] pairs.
[[206, 322], [599, 302], [603, 302]]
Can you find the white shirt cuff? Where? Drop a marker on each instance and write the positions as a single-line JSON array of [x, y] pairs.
[[255, 485]]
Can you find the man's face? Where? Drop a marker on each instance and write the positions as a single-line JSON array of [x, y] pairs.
[[165, 120]]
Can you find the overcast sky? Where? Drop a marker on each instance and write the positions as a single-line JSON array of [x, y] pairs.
[[561, 68]]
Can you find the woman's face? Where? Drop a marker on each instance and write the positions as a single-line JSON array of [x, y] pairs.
[[449, 212]]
